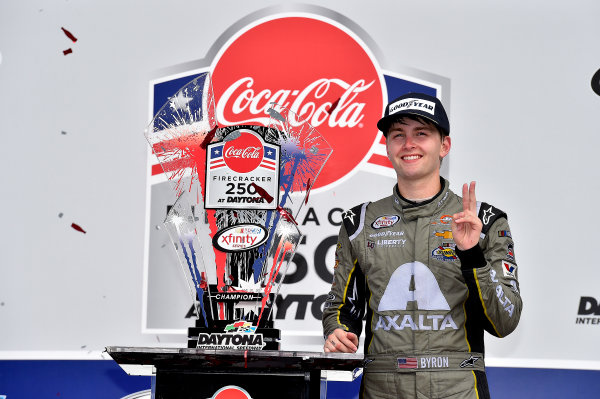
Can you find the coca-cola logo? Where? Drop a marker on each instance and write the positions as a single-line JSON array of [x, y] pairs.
[[243, 154], [316, 69], [231, 392]]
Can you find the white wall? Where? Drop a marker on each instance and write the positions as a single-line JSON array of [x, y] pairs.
[[524, 125]]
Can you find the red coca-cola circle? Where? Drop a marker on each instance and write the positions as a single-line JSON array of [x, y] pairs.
[[314, 68], [243, 154], [231, 392]]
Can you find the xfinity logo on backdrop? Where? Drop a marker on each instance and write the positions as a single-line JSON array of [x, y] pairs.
[[588, 306]]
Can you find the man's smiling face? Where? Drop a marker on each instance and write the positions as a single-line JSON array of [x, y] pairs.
[[415, 148]]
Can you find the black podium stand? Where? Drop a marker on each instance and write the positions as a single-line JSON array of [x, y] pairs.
[[201, 374]]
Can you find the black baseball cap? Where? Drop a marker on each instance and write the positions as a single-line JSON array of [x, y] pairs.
[[418, 104]]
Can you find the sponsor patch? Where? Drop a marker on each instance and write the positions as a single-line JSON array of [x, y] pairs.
[[444, 219], [370, 244], [510, 253], [387, 233], [509, 269], [470, 362], [444, 253], [385, 221], [504, 233], [487, 214], [445, 234], [413, 104], [350, 215], [391, 243]]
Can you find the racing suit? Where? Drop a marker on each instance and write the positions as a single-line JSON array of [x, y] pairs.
[[426, 303]]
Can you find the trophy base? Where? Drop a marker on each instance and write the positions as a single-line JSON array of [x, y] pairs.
[[234, 335]]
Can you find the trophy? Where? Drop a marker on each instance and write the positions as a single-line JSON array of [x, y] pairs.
[[238, 191]]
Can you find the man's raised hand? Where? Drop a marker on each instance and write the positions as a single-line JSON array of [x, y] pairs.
[[466, 225]]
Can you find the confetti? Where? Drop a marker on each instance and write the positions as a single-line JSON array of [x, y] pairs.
[[78, 228], [308, 187], [67, 51], [333, 106], [208, 138], [262, 192], [63, 132], [69, 35], [60, 215]]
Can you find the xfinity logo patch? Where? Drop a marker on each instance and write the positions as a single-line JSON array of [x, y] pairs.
[[385, 221], [413, 103]]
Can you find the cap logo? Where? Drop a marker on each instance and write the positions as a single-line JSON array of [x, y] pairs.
[[414, 104]]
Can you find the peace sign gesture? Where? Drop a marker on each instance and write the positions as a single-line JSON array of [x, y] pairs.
[[466, 226]]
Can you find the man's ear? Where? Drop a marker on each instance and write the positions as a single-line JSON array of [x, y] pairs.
[[446, 144]]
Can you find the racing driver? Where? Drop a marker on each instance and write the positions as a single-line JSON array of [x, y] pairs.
[[428, 270]]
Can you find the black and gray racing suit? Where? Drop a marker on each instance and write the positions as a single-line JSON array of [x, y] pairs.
[[426, 303]]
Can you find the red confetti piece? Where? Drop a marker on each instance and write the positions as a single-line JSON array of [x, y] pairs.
[[308, 187], [203, 283], [333, 106], [286, 215], [78, 227], [209, 136], [262, 192], [69, 34], [67, 51]]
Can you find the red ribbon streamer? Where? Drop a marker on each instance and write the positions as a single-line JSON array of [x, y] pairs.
[[208, 138], [77, 227], [308, 187], [69, 34], [333, 106], [262, 192]]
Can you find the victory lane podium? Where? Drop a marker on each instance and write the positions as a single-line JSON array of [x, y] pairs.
[[220, 374]]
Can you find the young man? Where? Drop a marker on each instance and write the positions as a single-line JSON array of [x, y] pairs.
[[427, 269]]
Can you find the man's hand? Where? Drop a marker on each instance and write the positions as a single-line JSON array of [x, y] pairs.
[[466, 226], [341, 341]]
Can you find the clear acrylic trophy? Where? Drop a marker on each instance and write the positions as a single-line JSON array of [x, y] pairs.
[[238, 190]]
